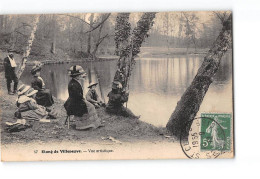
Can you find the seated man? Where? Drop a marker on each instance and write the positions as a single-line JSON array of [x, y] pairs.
[[93, 97], [117, 98], [44, 96]]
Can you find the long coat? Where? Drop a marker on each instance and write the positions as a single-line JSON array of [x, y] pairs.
[[9, 70], [75, 104]]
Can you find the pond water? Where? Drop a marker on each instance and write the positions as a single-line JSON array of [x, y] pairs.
[[156, 84]]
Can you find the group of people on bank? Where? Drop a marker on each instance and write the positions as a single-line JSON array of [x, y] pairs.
[[35, 102]]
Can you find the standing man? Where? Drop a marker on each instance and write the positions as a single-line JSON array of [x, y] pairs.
[[10, 75]]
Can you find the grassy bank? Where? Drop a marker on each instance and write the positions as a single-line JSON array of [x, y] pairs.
[[118, 127]]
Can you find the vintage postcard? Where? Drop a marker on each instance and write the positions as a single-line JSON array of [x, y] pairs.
[[113, 86]]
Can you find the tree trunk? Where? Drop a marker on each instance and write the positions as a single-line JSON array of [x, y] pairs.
[[98, 42], [122, 33], [129, 47], [89, 34], [28, 47], [53, 44], [192, 98]]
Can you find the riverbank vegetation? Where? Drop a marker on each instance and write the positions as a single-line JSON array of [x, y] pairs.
[[87, 36]]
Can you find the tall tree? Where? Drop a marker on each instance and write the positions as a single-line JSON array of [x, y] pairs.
[[54, 26], [28, 47], [99, 39], [129, 46], [122, 34], [188, 22], [190, 102], [89, 34]]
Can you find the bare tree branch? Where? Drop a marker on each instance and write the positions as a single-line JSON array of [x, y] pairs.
[[222, 16], [102, 38], [77, 18], [97, 26]]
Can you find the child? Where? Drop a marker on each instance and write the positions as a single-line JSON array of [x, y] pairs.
[[28, 109], [93, 97]]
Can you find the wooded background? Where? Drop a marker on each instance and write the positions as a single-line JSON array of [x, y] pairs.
[[59, 36]]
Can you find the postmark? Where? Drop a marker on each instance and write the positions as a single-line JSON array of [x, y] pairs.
[[209, 136]]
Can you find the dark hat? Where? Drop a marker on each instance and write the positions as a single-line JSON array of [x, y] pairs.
[[36, 67], [76, 70], [116, 85]]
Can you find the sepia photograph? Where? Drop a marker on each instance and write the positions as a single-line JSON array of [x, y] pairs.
[[117, 86]]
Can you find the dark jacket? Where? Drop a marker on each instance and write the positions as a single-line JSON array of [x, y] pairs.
[[44, 96], [9, 70], [75, 104], [116, 100], [120, 76], [37, 84]]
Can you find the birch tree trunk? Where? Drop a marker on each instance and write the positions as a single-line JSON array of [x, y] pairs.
[[91, 18], [190, 102], [53, 44], [28, 47]]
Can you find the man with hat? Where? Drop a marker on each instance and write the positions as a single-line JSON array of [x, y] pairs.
[[116, 101], [10, 75], [44, 96], [77, 105], [92, 95]]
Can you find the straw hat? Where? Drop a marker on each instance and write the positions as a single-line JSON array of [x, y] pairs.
[[31, 92], [92, 84], [76, 70], [22, 89]]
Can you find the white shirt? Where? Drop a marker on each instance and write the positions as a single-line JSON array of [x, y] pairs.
[[12, 62], [43, 84]]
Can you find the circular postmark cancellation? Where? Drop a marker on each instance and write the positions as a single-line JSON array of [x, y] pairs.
[[208, 137]]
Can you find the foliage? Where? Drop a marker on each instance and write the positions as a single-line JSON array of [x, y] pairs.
[[122, 33], [128, 47]]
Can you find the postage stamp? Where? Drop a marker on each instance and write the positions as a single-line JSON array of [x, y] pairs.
[[216, 132], [209, 136]]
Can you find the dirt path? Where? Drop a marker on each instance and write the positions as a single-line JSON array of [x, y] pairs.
[[120, 128]]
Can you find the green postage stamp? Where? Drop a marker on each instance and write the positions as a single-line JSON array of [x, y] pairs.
[[216, 130]]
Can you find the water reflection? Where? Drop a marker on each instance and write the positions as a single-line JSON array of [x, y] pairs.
[[156, 84]]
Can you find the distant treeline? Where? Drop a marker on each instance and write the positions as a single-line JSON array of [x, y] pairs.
[[89, 35]]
